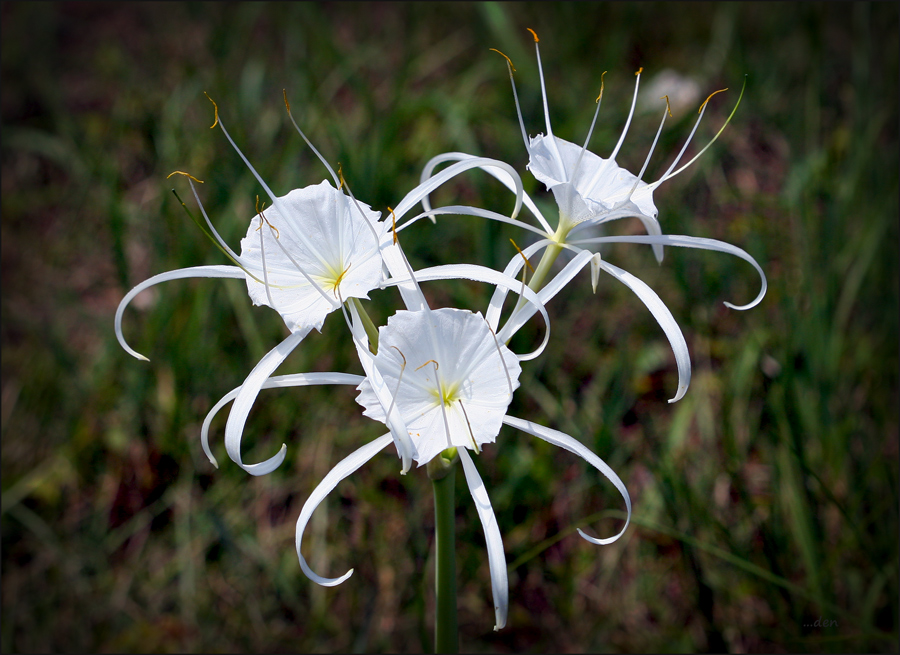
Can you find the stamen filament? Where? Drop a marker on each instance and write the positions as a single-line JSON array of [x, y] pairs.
[[277, 204], [713, 140], [512, 81], [602, 169], [469, 425], [647, 160], [337, 282], [500, 352], [225, 250], [590, 131], [308, 142], [519, 250], [262, 252], [559, 159], [441, 398]]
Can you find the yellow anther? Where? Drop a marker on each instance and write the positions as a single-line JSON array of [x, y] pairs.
[[404, 358], [601, 87], [286, 103], [668, 109], [216, 107], [337, 282], [533, 33], [640, 70], [341, 177], [185, 174], [528, 263], [394, 227], [508, 60], [262, 217], [430, 361], [710, 96]]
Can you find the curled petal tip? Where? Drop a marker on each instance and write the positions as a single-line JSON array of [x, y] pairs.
[[595, 271], [678, 396], [141, 357], [741, 308]]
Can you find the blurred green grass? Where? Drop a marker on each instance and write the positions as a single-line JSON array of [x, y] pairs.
[[766, 499]]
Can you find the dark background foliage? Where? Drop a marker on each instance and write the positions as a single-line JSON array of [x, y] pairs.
[[766, 501]]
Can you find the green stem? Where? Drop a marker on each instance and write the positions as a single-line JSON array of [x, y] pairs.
[[551, 252], [371, 330], [442, 471]]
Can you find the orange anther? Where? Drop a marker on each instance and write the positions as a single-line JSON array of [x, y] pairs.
[[523, 255], [508, 60], [710, 96], [394, 225], [668, 109], [185, 174], [601, 87], [216, 107]]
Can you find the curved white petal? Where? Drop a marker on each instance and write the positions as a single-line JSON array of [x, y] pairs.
[[665, 319], [406, 449], [692, 242], [276, 382], [490, 276], [472, 211], [397, 266], [344, 468], [247, 394], [420, 192], [181, 273], [571, 444], [493, 540], [492, 315], [518, 318], [505, 179]]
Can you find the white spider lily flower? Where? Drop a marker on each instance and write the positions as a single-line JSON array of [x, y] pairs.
[[590, 190], [311, 249], [451, 381], [341, 254]]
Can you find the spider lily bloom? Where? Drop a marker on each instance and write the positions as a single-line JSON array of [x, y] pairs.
[[452, 381], [591, 190], [447, 379]]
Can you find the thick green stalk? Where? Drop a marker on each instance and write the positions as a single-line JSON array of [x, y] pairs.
[[551, 252], [442, 471]]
